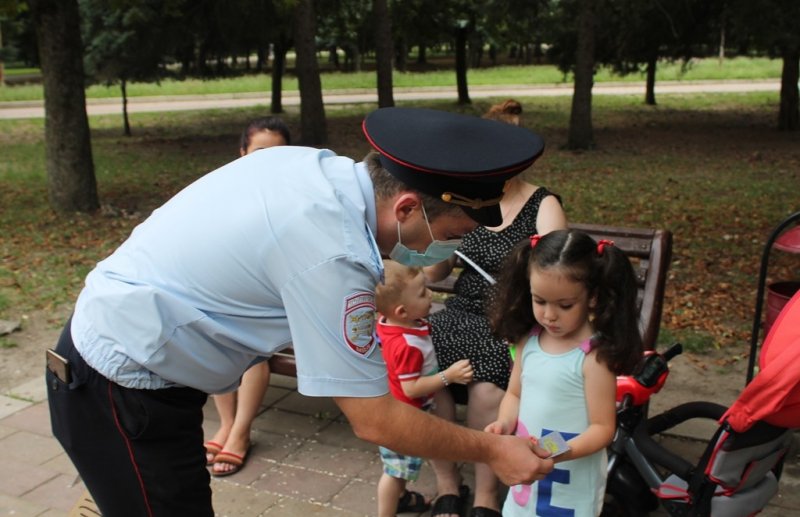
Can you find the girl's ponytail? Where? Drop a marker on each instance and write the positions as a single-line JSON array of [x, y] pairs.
[[616, 321], [510, 313]]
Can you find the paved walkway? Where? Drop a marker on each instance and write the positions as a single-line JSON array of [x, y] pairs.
[[34, 109], [305, 461]]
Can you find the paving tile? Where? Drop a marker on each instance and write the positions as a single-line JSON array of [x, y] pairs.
[[6, 430], [285, 423], [26, 477], [322, 407], [232, 500], [302, 484], [16, 506], [331, 460], [372, 470], [34, 418], [59, 493], [358, 497], [341, 434], [275, 447], [289, 507], [61, 464], [275, 394], [30, 448], [34, 390], [10, 405]]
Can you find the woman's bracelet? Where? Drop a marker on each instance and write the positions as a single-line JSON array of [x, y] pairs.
[[444, 378]]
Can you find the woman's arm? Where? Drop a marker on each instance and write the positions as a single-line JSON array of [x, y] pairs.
[[551, 216], [600, 389]]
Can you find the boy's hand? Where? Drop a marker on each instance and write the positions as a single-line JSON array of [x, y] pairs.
[[496, 427], [459, 372]]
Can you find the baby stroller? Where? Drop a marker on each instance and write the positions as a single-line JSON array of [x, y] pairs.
[[738, 472]]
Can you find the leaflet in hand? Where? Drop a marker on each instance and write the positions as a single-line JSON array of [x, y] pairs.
[[554, 443]]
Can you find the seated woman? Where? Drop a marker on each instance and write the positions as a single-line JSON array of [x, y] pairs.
[[461, 330], [227, 450]]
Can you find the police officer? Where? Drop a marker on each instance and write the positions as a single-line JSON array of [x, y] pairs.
[[281, 247]]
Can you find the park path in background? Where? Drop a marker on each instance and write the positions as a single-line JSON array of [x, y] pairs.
[[35, 109]]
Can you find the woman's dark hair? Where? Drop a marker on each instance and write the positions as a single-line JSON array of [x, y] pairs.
[[270, 123], [608, 277]]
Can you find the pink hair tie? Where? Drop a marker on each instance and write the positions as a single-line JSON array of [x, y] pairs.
[[601, 244], [535, 240]]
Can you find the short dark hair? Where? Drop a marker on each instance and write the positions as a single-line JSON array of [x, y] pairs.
[[271, 123], [386, 186]]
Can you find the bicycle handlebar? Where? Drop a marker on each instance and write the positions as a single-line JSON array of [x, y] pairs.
[[655, 366], [638, 388]]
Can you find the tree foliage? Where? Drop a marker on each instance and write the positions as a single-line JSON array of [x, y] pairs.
[[125, 41], [771, 26]]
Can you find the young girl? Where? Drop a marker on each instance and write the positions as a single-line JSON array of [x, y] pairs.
[[581, 333]]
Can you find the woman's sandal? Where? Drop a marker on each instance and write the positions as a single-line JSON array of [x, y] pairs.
[[212, 449], [412, 502], [481, 511], [450, 503]]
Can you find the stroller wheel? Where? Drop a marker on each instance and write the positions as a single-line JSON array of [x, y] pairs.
[[627, 495], [614, 507]]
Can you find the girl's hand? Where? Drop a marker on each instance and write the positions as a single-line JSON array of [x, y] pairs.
[[459, 372]]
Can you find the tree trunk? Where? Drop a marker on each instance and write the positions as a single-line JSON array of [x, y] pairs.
[[384, 54], [278, 67], [650, 85], [123, 85], [2, 65], [68, 149], [580, 120], [461, 65], [333, 57], [401, 54], [261, 58], [312, 111], [789, 115], [422, 57], [356, 59]]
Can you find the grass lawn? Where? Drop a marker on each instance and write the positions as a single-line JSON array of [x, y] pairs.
[[696, 70], [710, 168]]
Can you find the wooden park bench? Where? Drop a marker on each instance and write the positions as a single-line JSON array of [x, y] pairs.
[[649, 250]]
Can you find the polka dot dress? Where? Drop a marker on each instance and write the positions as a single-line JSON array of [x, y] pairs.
[[461, 330]]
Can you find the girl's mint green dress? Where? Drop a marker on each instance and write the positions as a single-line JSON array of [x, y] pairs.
[[552, 399]]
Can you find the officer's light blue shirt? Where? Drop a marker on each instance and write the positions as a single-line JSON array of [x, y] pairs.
[[275, 248]]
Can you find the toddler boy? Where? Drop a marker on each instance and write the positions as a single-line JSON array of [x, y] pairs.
[[404, 302]]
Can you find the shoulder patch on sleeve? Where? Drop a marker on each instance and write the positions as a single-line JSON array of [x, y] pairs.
[[358, 324]]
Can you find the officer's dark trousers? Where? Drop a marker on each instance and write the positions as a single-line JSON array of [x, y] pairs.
[[139, 452]]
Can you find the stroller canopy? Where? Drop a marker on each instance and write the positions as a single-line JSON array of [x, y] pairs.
[[774, 394]]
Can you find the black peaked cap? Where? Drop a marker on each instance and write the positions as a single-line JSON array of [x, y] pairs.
[[460, 159]]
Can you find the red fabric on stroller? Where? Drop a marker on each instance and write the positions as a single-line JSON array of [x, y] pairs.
[[774, 394]]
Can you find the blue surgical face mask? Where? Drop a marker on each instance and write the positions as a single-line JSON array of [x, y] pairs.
[[436, 252]]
